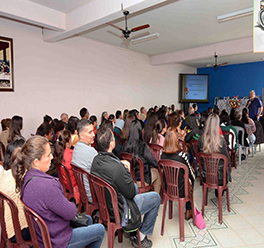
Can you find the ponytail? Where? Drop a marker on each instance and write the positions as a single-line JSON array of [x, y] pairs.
[[63, 137], [18, 168]]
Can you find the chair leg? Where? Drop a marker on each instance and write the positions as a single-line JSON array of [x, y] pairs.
[[181, 219], [204, 196], [220, 205], [227, 199], [170, 210], [163, 215], [120, 236], [239, 155], [139, 241], [193, 213], [110, 235]]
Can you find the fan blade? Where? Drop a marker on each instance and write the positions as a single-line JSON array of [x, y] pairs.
[[140, 28], [113, 25], [223, 64]]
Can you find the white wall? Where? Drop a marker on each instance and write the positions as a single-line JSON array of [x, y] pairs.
[[68, 75]]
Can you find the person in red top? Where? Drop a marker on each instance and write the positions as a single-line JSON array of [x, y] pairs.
[[63, 154]]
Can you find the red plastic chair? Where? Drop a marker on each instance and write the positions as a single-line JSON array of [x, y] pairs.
[[20, 242], [183, 145], [232, 152], [99, 187], [63, 173], [156, 150], [2, 151], [194, 151], [171, 171], [144, 187], [118, 138], [32, 217], [211, 163], [80, 174]]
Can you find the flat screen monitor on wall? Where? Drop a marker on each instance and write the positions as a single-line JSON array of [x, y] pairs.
[[194, 88]]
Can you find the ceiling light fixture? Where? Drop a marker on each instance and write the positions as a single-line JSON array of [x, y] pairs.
[[145, 38], [235, 15]]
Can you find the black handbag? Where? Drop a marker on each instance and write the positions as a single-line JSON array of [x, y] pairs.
[[80, 220]]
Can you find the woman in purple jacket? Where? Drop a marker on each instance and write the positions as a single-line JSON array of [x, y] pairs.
[[44, 194]]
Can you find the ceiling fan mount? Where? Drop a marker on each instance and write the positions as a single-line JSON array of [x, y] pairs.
[[126, 32], [217, 65]]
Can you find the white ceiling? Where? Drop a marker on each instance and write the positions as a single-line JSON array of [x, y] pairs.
[[183, 25]]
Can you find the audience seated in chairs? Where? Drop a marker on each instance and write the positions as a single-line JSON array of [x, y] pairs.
[[159, 132], [212, 142], [63, 154], [29, 165], [8, 187], [108, 167], [136, 146], [172, 151], [83, 154]]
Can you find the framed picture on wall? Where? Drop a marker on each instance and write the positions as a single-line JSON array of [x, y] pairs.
[[6, 64]]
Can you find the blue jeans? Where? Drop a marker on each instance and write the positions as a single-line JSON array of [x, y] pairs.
[[91, 235], [148, 204]]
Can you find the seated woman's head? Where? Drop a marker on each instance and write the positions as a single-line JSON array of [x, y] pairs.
[[35, 153], [72, 124], [45, 130], [225, 118], [171, 142], [9, 150], [15, 127], [237, 115]]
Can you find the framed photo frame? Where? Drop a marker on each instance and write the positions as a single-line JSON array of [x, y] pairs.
[[6, 64]]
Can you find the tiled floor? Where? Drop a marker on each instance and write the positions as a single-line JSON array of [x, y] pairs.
[[242, 227]]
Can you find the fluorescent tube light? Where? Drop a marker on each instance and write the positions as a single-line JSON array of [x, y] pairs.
[[235, 15], [145, 38]]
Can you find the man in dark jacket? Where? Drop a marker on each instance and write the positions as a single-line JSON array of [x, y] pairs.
[[109, 168]]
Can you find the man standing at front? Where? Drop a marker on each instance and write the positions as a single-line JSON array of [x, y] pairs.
[[83, 153], [254, 106], [109, 168]]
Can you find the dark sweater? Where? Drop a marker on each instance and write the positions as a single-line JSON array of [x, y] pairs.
[[109, 168], [45, 196]]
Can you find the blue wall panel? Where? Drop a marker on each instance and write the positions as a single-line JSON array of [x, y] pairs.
[[233, 80]]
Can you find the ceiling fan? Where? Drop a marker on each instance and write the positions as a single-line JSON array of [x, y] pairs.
[[126, 32], [217, 65]]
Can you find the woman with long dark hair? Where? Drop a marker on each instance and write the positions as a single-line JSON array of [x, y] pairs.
[[159, 132], [125, 130], [63, 154], [149, 127], [44, 194], [139, 148], [247, 120], [15, 128], [172, 150]]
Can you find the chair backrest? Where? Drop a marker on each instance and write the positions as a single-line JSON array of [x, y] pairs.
[[80, 174], [132, 160], [99, 188], [128, 156], [118, 138], [210, 163], [194, 150], [227, 135], [182, 145], [32, 217], [248, 128], [64, 175], [15, 219], [2, 151], [171, 170], [240, 129], [156, 150]]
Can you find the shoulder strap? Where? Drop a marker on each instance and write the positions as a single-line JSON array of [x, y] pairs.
[[22, 193]]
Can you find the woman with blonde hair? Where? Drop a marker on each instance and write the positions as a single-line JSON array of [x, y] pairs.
[[212, 142]]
